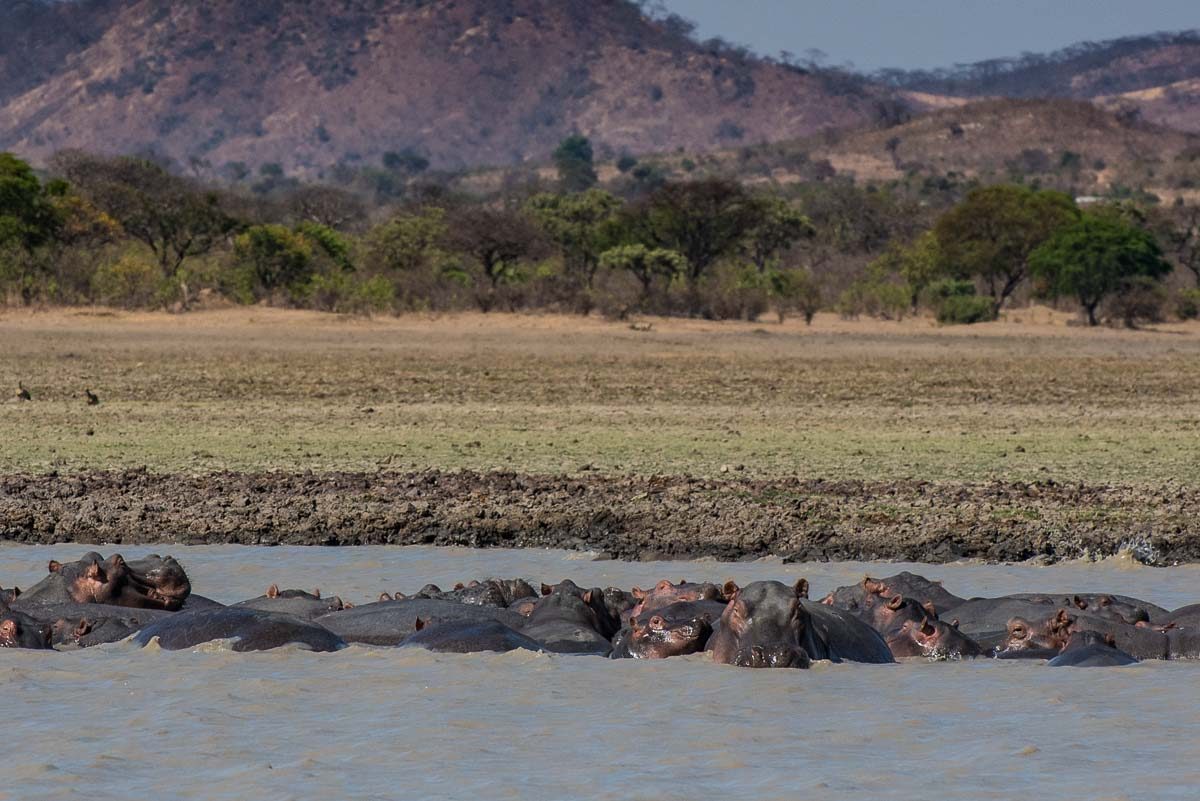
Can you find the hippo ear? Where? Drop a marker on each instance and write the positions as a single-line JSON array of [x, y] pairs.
[[273, 591], [398, 596], [729, 589], [1106, 600], [84, 628], [1079, 602], [346, 605], [8, 629], [872, 586], [547, 589], [420, 624], [1110, 640], [54, 566], [896, 602], [828, 599], [587, 596], [459, 586], [638, 593], [383, 596], [801, 588], [954, 623], [930, 609], [317, 592]]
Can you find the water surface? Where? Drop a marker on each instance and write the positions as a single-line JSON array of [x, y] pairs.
[[377, 723]]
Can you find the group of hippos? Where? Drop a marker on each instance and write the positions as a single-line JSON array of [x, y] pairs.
[[763, 624]]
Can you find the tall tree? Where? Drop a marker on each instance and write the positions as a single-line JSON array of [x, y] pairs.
[[582, 227], [574, 160], [175, 217], [777, 227], [992, 233], [1095, 257], [28, 217], [703, 221]]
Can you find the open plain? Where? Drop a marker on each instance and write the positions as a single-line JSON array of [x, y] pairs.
[[1018, 439]]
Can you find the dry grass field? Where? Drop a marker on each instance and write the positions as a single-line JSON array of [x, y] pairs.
[[253, 390]]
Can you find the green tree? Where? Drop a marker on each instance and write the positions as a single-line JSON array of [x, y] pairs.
[[574, 160], [1095, 257], [176, 218], [646, 264], [777, 227], [278, 257], [582, 226], [703, 221], [28, 217], [992, 233], [408, 241], [497, 240]]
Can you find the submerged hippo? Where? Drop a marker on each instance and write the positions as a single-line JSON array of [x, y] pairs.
[[1090, 649], [567, 622], [389, 622], [249, 629], [150, 583], [1055, 631], [468, 637], [870, 591], [682, 628], [301, 604], [18, 630]]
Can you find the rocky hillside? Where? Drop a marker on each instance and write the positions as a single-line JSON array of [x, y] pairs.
[[1158, 76], [311, 83]]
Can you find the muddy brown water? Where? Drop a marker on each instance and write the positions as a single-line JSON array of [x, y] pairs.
[[376, 723]]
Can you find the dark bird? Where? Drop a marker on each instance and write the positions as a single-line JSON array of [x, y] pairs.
[[22, 393], [93, 398]]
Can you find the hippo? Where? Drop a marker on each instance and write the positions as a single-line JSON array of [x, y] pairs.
[[763, 626], [150, 583], [836, 635], [1091, 649], [1118, 607], [619, 603], [1054, 631], [18, 630], [9, 595], [910, 585], [665, 593], [1185, 616], [249, 629], [389, 622], [605, 623], [468, 637], [85, 633], [932, 639], [675, 630], [568, 623], [301, 604]]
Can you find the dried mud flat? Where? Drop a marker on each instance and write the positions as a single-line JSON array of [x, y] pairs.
[[635, 518]]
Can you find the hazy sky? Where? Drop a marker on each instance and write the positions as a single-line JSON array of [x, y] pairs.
[[928, 33]]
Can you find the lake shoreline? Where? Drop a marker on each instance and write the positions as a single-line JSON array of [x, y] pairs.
[[633, 518]]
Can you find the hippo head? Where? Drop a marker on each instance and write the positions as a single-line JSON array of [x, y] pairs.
[[19, 631], [931, 638], [156, 583], [93, 579], [666, 634], [892, 613], [763, 625], [1051, 633]]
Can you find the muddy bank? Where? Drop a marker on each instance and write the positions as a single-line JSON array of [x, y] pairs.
[[626, 517]]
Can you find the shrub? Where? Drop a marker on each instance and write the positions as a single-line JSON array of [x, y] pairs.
[[345, 293], [949, 288], [965, 310], [1141, 299], [1187, 305]]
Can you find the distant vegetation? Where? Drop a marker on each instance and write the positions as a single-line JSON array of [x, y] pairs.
[[656, 236]]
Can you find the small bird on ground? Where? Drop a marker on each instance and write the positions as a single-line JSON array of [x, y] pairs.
[[93, 398], [22, 393]]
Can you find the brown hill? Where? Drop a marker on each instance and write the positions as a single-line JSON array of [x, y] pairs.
[[1158, 75], [310, 83]]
